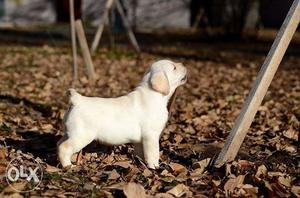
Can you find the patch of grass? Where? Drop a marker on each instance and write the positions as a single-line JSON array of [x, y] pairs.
[[2, 186], [118, 54], [52, 176], [142, 179]]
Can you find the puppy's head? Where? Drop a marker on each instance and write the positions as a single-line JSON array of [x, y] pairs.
[[165, 76]]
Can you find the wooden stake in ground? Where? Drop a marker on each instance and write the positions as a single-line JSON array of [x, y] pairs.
[[100, 29], [127, 27], [73, 37], [257, 93], [199, 16], [110, 31], [85, 49], [125, 22]]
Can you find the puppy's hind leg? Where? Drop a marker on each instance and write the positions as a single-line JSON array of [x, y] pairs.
[[70, 146], [62, 139], [64, 151]]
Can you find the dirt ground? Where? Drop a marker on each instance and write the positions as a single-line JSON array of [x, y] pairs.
[[33, 84]]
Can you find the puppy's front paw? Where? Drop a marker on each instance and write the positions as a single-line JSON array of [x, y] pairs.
[[153, 165]]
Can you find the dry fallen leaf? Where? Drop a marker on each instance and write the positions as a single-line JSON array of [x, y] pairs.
[[291, 133], [261, 171], [124, 164], [247, 190], [166, 173], [216, 182], [178, 168], [197, 172], [134, 190], [163, 195], [228, 169], [47, 127], [13, 195], [178, 138], [243, 164], [88, 186], [15, 186], [147, 172], [3, 169], [296, 191], [201, 165], [275, 174], [277, 190], [132, 174], [109, 159], [180, 190], [290, 148], [113, 175], [52, 169], [233, 183], [3, 153], [286, 181]]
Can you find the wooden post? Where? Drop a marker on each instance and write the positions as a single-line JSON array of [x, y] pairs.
[[258, 91], [127, 26], [199, 16], [73, 37], [110, 31], [100, 29], [85, 49]]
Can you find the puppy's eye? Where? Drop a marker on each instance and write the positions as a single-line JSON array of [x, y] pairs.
[[174, 67]]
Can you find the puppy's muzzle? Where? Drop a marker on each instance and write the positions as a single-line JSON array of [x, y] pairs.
[[184, 79]]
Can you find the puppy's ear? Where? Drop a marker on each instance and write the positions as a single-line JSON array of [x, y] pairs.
[[160, 83]]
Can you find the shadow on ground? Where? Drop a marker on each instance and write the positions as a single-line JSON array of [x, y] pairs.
[[42, 108], [43, 146]]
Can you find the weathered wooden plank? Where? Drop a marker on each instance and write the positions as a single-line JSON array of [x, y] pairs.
[[100, 29], [257, 93], [85, 49], [73, 37], [127, 26]]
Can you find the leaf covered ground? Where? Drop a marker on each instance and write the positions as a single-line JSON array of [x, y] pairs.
[[33, 84]]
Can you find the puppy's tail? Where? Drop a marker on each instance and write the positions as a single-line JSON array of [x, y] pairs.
[[74, 96]]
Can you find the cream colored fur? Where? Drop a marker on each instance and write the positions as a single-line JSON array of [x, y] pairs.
[[138, 117]]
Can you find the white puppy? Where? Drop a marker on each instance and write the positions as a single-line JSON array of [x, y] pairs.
[[138, 117]]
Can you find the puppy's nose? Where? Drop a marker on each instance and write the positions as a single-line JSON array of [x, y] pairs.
[[184, 79]]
